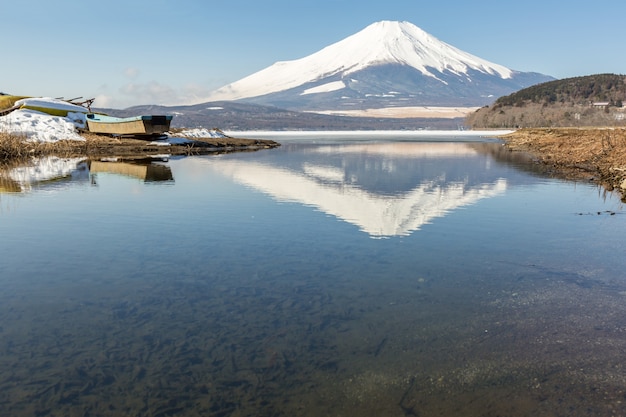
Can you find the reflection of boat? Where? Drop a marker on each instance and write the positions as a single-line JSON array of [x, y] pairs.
[[135, 126], [143, 169]]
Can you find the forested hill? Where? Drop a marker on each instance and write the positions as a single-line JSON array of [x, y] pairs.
[[593, 100]]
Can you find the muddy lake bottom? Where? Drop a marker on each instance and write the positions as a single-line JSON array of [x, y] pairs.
[[363, 278]]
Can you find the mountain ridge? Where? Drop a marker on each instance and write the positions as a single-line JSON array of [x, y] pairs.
[[388, 63], [234, 115]]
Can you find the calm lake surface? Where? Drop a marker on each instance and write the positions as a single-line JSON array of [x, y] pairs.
[[352, 277]]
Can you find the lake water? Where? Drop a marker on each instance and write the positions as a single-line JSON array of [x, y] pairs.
[[354, 277]]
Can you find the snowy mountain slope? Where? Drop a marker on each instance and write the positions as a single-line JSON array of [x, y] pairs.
[[387, 63]]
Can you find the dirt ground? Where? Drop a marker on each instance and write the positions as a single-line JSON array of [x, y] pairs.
[[594, 154], [97, 145]]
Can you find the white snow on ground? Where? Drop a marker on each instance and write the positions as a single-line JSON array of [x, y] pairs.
[[171, 141], [41, 127], [202, 133], [186, 136]]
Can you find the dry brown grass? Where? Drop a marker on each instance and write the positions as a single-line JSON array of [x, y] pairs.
[[12, 146], [15, 147], [598, 153]]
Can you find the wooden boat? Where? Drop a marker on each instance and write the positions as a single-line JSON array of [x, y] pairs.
[[128, 126]]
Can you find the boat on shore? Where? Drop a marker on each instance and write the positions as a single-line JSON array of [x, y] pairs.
[[79, 113], [128, 126], [7, 103], [51, 106]]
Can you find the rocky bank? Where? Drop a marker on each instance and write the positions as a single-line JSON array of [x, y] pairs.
[[590, 154]]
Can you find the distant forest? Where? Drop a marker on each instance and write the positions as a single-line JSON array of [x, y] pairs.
[[593, 100]]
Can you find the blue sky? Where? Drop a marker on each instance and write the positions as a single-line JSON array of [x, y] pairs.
[[173, 52]]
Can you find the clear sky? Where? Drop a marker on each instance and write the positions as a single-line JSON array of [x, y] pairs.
[[176, 51]]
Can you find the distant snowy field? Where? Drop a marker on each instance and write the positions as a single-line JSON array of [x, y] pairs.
[[422, 135], [404, 112]]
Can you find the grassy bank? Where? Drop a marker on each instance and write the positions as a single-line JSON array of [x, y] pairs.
[[15, 147], [594, 154]]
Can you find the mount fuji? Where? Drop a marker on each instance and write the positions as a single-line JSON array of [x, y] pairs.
[[387, 64]]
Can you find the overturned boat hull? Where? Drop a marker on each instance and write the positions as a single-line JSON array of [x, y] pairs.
[[128, 126], [51, 106]]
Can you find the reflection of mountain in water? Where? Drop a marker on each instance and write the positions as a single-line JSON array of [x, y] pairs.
[[387, 189]]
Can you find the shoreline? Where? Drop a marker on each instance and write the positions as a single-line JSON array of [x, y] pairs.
[[595, 155], [98, 145], [107, 146]]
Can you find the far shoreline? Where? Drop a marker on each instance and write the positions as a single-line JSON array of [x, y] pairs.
[[370, 133]]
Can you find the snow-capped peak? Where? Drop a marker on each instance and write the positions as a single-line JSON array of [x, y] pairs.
[[385, 42], [404, 43]]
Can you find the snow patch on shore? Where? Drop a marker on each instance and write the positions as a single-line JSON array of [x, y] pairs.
[[202, 133], [187, 136], [41, 127]]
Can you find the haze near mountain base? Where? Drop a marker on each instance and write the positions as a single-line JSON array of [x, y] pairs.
[[388, 64]]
